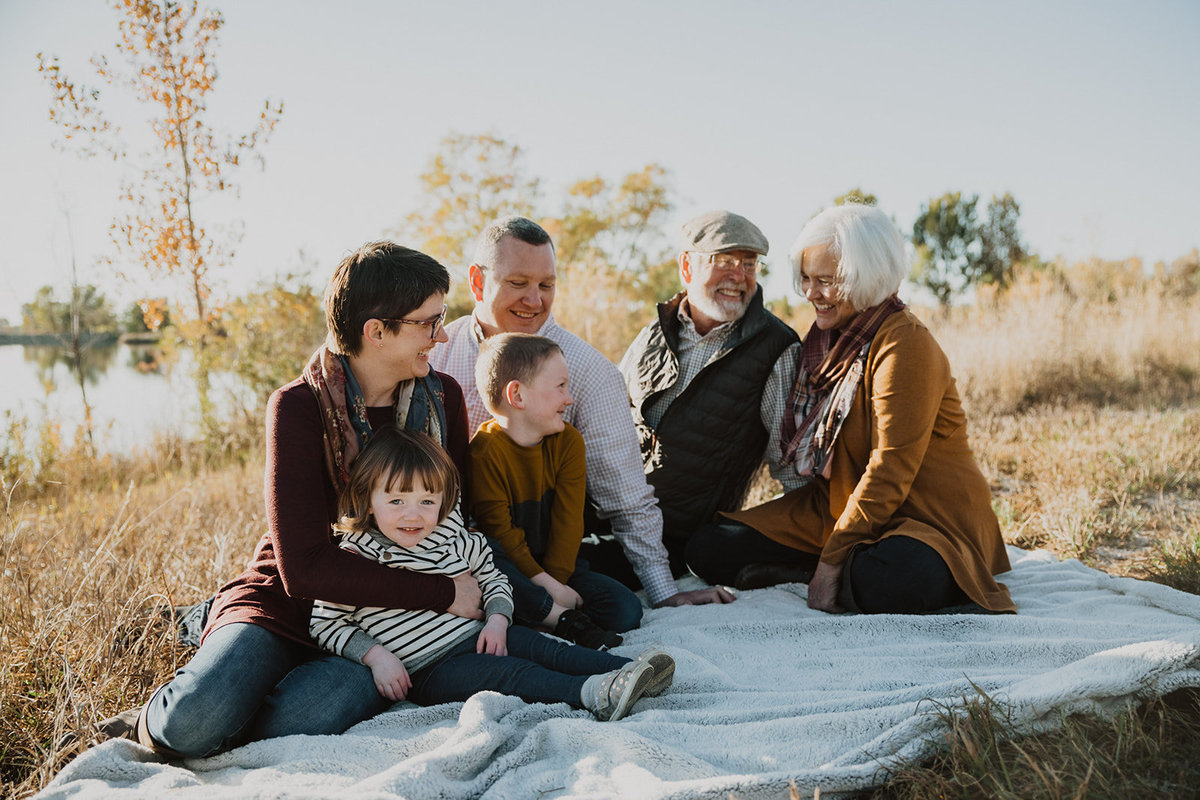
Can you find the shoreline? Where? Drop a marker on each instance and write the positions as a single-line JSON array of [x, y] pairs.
[[87, 339]]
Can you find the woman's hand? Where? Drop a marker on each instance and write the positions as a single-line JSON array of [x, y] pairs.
[[391, 678], [468, 598], [823, 588], [560, 593], [493, 639]]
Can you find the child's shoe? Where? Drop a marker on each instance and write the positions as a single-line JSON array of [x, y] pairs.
[[576, 626], [620, 689], [664, 670]]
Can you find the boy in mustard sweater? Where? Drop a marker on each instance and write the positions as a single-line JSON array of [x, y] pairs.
[[527, 480]]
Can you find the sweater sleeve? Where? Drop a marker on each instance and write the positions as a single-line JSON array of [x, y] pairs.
[[299, 500], [566, 513], [907, 378], [497, 591], [494, 485]]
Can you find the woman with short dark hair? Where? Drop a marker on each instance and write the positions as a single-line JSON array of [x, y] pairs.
[[257, 673]]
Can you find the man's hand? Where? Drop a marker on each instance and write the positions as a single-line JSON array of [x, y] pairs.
[[823, 588], [468, 599], [493, 639], [391, 678], [698, 597]]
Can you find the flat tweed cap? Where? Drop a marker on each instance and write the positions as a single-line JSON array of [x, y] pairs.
[[719, 231]]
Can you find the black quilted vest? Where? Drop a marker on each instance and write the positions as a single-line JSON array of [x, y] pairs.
[[710, 441]]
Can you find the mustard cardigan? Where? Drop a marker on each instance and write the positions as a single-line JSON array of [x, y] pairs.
[[900, 467]]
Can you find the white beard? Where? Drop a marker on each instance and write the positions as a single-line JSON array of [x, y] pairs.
[[717, 306]]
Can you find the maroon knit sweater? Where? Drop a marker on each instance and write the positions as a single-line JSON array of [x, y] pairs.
[[297, 560]]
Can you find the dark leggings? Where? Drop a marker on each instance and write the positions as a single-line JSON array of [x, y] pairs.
[[895, 575]]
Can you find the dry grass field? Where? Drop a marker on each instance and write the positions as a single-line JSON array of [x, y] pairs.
[[1085, 415]]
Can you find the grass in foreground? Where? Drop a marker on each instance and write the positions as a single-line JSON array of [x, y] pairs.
[[1148, 751]]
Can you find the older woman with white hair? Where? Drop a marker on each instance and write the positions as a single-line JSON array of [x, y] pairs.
[[887, 510]]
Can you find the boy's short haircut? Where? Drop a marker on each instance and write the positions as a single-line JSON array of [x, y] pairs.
[[509, 357], [396, 456]]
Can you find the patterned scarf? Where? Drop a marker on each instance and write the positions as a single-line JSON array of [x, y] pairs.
[[828, 374], [418, 402]]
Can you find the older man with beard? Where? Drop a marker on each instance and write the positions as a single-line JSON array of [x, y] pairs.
[[696, 378]]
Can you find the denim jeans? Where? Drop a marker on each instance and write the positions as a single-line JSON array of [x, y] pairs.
[[246, 683], [608, 602], [537, 669]]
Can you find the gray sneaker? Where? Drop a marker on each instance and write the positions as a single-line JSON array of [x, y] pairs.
[[621, 689], [664, 670]]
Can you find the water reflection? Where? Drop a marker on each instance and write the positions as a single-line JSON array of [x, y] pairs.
[[95, 361], [132, 393]]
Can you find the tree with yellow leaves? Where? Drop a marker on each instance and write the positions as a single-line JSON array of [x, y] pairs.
[[167, 55]]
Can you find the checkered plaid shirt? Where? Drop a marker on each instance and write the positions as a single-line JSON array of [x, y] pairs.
[[774, 405], [695, 351], [615, 477]]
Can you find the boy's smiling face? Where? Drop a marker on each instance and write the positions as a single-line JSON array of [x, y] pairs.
[[547, 397]]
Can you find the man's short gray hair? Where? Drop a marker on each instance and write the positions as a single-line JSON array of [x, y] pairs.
[[520, 228], [868, 249]]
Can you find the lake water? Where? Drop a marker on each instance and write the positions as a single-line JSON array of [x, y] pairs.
[[130, 405]]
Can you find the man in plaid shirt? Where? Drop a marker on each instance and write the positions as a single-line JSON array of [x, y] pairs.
[[513, 280]]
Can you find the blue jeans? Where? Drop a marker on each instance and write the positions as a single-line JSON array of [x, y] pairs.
[[246, 683], [537, 669], [608, 602]]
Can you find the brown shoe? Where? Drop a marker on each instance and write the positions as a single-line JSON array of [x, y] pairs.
[[131, 724], [122, 726], [760, 576]]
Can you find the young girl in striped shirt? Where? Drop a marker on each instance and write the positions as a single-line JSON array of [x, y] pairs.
[[401, 508]]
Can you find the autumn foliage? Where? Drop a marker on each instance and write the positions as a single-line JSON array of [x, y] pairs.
[[166, 58]]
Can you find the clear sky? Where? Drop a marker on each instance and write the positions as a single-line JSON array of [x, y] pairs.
[[1088, 112]]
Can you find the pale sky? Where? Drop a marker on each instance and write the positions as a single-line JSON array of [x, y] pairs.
[[1088, 112]]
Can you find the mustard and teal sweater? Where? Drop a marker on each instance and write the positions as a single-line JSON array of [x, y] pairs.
[[530, 499]]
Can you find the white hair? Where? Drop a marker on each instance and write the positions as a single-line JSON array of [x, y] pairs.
[[868, 249]]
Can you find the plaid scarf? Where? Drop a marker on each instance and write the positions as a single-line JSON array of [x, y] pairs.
[[418, 402], [828, 374]]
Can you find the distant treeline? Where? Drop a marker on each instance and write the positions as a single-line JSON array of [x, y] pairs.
[[86, 339]]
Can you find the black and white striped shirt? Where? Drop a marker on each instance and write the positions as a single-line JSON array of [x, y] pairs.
[[418, 638]]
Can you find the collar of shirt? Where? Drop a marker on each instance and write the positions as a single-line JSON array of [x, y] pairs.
[[687, 330], [477, 328]]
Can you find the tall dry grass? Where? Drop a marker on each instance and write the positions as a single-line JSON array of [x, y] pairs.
[[91, 560], [1047, 341], [1085, 416]]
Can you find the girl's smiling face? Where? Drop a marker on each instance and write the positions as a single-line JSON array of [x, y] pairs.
[[405, 518]]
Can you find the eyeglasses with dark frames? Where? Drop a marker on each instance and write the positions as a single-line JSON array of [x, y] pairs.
[[434, 324]]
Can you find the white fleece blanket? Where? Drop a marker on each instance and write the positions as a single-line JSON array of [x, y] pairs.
[[766, 692]]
